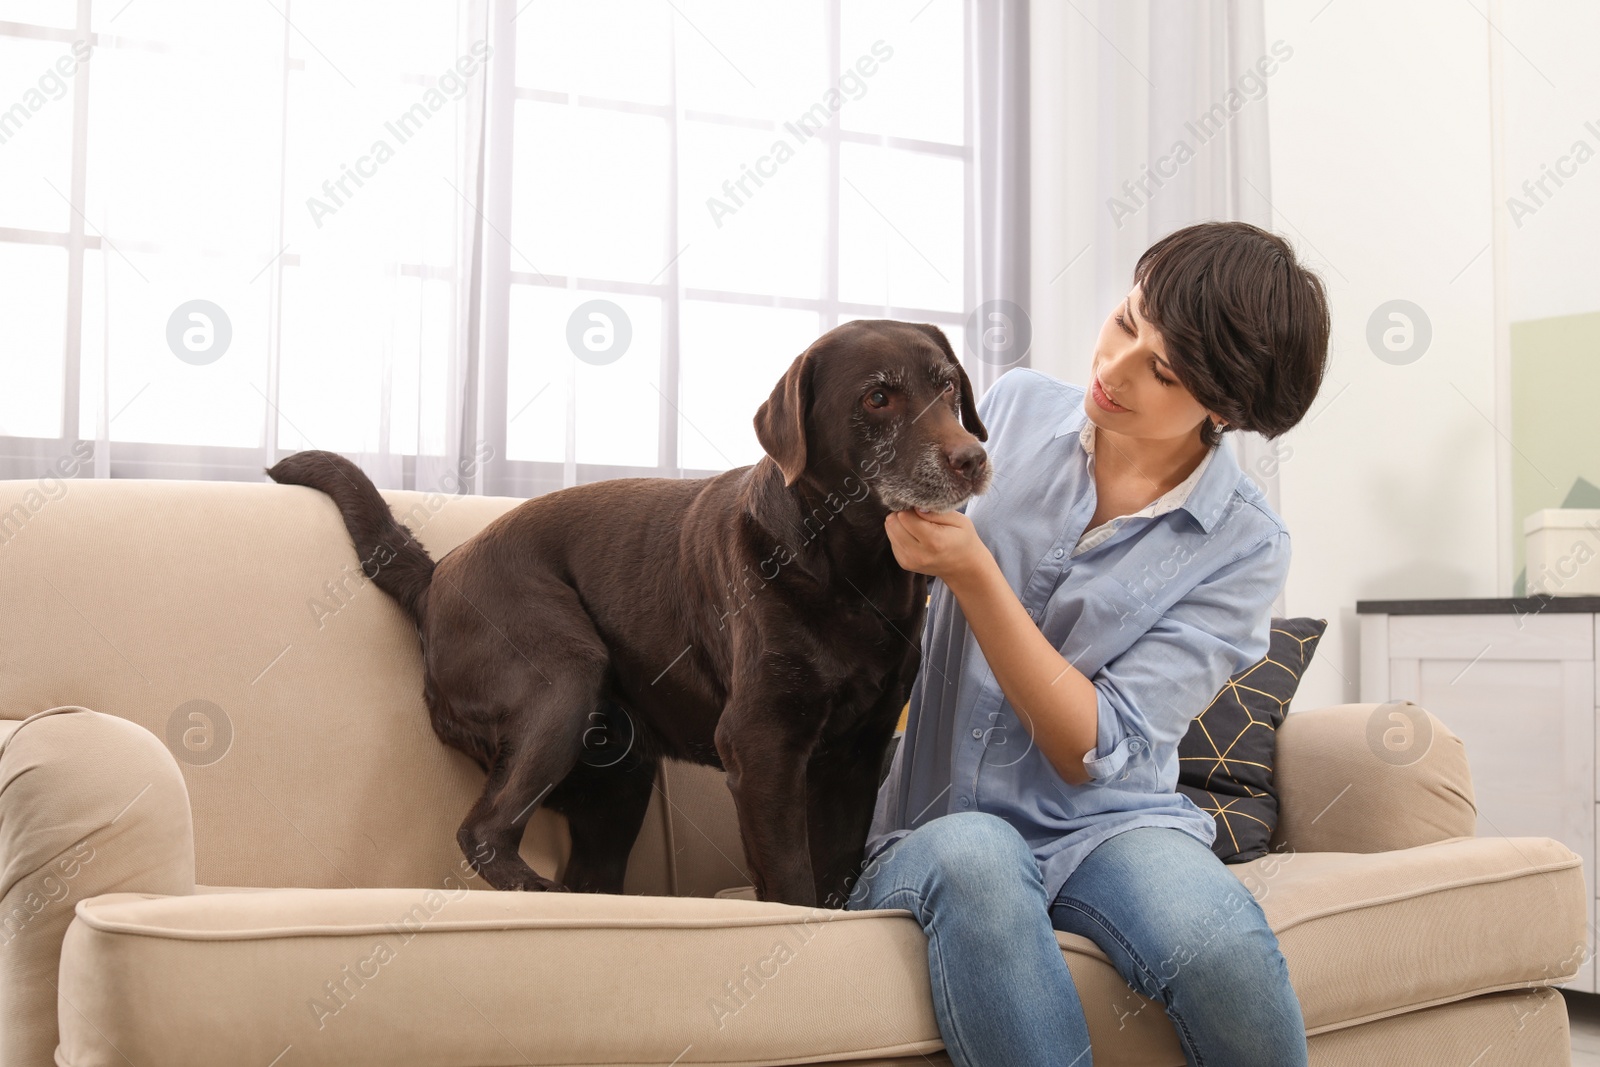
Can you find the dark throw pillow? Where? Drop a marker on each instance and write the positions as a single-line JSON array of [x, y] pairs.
[[1225, 760]]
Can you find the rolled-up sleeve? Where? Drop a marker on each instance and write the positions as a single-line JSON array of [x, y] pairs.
[[1148, 695]]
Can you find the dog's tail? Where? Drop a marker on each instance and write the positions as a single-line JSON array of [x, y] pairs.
[[389, 553]]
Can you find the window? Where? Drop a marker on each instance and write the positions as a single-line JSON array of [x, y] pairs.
[[694, 195]]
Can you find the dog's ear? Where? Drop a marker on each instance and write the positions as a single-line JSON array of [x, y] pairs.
[[781, 419], [969, 403]]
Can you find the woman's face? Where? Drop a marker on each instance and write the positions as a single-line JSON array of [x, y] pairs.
[[1130, 365]]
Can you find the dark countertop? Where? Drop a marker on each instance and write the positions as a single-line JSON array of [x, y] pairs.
[[1521, 605]]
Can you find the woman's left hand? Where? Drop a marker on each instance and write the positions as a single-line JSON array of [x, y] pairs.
[[937, 543]]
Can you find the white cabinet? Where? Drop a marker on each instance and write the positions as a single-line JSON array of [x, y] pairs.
[[1515, 679]]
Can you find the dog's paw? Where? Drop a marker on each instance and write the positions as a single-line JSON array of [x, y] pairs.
[[535, 883], [522, 880]]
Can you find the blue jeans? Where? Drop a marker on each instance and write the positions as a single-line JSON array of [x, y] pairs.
[[1176, 924]]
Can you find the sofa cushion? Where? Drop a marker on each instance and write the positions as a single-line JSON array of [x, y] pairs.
[[1225, 760], [210, 610], [399, 976], [1368, 935]]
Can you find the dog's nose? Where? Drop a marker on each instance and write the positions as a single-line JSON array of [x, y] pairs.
[[968, 460]]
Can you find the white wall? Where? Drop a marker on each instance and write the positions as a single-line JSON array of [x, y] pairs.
[[1382, 161], [1552, 103], [1381, 176], [1379, 131]]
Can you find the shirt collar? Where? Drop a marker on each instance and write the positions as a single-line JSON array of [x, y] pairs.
[[1218, 473]]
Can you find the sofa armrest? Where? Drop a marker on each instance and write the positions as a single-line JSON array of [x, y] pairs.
[[1341, 790], [89, 804]]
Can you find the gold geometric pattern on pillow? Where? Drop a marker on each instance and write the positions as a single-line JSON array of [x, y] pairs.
[[1229, 743]]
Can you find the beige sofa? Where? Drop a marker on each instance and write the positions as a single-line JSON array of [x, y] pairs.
[[227, 837]]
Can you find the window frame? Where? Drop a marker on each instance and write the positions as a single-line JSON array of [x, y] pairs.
[[28, 457]]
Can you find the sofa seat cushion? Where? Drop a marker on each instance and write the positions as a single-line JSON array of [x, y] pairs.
[[414, 976], [403, 976], [1370, 935], [1367, 935]]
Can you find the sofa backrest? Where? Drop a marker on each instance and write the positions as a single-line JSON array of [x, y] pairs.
[[233, 621]]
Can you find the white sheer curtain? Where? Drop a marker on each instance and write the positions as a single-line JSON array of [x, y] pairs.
[[364, 226], [999, 332], [278, 235], [1146, 116]]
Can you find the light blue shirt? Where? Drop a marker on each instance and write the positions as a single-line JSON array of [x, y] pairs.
[[1158, 615]]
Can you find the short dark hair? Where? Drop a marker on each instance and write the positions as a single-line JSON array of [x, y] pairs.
[[1246, 326]]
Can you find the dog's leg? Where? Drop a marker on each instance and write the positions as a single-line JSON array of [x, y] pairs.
[[493, 853], [540, 742], [841, 792], [605, 799], [766, 773]]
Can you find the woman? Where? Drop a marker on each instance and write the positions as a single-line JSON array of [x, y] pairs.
[[1118, 572]]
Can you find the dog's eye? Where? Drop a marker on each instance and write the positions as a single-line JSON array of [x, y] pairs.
[[877, 398]]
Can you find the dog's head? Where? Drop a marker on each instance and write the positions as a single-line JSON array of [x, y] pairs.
[[885, 402]]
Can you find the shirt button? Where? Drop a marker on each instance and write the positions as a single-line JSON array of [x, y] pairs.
[[964, 802], [976, 733], [1060, 552]]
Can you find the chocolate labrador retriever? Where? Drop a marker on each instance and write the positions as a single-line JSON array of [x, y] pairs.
[[755, 621]]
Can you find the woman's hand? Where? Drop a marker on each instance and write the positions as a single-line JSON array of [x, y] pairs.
[[939, 543]]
